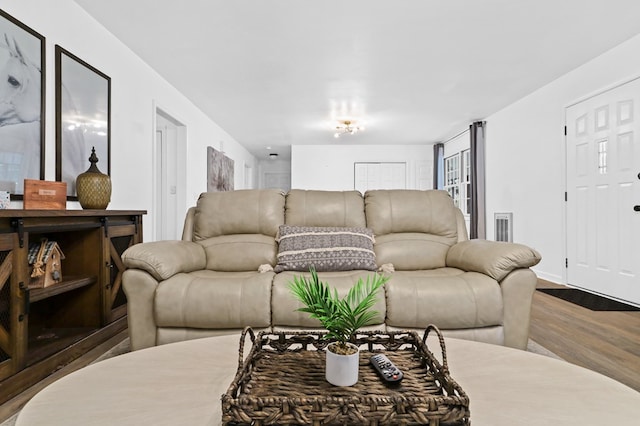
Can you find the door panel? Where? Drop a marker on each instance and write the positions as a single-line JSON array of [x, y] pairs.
[[603, 186]]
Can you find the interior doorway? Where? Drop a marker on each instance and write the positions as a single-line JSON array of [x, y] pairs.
[[248, 176], [170, 179]]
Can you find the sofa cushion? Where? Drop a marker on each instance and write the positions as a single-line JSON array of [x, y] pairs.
[[412, 251], [209, 299], [414, 229], [398, 211], [250, 211], [325, 208], [240, 252], [325, 248], [447, 297], [284, 306]]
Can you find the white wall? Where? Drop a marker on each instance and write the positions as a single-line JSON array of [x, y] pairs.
[[331, 167], [526, 155], [458, 143], [134, 89]]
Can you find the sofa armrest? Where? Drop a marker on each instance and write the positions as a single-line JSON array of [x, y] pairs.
[[164, 259], [140, 288], [493, 258]]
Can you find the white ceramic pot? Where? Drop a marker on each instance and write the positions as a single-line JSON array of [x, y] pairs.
[[342, 370]]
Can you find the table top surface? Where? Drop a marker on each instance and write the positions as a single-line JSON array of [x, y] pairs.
[[182, 383]]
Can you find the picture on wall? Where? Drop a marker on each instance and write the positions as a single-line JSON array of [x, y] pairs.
[[219, 171], [22, 105], [83, 118]]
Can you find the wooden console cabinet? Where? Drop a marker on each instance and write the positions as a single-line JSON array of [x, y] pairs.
[[42, 329]]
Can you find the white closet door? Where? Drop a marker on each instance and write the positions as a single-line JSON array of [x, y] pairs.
[[380, 176]]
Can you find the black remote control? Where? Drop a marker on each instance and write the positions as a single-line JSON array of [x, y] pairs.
[[386, 369]]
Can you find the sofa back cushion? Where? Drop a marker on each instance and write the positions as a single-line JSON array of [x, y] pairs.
[[325, 208], [413, 229], [251, 211], [238, 228]]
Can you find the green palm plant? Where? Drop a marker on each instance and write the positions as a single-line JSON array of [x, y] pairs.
[[342, 317]]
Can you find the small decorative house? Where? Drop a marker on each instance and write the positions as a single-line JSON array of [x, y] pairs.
[[46, 260]]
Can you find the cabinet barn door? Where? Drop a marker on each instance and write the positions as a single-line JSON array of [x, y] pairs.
[[11, 306], [119, 238]]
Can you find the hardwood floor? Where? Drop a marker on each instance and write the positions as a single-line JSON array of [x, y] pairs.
[[606, 342]]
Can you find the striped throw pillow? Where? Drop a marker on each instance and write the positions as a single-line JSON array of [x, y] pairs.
[[325, 248]]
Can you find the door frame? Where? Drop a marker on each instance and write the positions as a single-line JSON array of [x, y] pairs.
[[181, 173]]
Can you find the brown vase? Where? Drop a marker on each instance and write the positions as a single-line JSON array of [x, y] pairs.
[[93, 186]]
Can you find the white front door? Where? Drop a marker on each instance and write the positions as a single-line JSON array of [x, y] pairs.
[[603, 190]]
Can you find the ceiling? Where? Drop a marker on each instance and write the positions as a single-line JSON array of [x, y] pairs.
[[275, 73]]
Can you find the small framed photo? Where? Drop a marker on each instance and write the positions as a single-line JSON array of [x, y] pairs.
[[22, 105], [83, 118]]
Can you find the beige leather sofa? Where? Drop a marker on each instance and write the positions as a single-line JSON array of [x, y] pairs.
[[214, 281]]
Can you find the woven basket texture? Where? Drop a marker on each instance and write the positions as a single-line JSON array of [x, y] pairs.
[[282, 382]]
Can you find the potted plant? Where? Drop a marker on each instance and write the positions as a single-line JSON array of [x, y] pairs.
[[342, 317]]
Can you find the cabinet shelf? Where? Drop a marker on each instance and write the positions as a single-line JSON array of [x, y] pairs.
[[68, 284], [45, 342]]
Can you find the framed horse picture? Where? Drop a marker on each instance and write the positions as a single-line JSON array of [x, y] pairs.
[[22, 105], [83, 118]]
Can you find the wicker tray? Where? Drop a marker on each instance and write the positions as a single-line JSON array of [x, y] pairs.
[[282, 382]]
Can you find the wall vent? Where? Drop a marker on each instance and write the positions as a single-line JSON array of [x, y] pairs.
[[503, 226]]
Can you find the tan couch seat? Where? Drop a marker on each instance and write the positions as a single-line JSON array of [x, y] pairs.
[[418, 297], [212, 299], [284, 308]]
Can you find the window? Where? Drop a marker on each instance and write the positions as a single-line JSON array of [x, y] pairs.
[[602, 157], [452, 177], [457, 169]]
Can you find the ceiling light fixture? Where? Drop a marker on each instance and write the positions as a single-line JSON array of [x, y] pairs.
[[347, 127]]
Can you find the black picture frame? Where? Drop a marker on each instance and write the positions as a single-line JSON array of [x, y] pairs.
[[83, 118], [22, 105]]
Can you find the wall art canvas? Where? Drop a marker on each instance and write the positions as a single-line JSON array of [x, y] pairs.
[[22, 93], [219, 171], [83, 118]]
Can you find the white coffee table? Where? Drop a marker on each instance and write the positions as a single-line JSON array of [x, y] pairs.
[[181, 384]]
